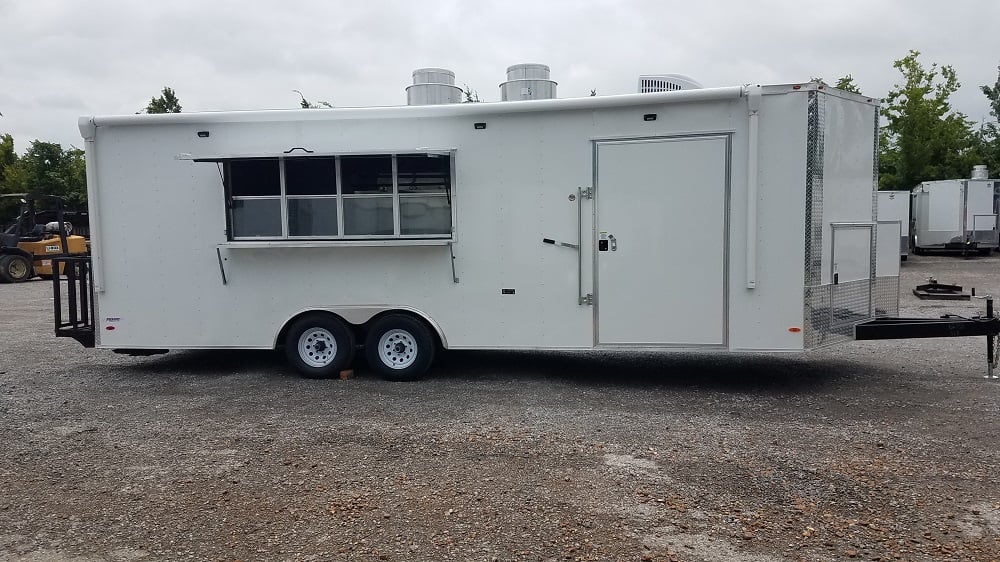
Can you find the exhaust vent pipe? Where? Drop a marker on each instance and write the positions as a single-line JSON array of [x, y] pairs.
[[529, 81], [433, 86]]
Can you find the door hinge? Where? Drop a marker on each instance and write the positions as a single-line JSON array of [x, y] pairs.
[[587, 192], [587, 299]]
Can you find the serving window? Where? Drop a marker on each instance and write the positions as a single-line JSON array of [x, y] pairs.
[[340, 197]]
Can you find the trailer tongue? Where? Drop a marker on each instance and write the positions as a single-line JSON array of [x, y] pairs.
[[948, 326]]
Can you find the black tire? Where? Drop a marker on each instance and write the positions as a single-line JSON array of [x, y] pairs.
[[399, 347], [15, 268], [317, 333]]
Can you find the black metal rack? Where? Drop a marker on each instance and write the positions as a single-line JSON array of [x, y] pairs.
[[79, 320]]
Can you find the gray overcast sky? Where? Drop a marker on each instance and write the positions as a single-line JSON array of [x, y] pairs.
[[63, 59]]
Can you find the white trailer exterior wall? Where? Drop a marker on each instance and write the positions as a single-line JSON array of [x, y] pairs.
[[894, 206], [673, 190]]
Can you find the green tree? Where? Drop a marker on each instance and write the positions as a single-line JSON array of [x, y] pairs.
[[988, 135], [923, 139], [471, 96], [75, 170], [992, 93], [8, 163], [167, 102], [306, 104], [847, 84], [46, 168]]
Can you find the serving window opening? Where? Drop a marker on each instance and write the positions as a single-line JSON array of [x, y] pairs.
[[348, 197]]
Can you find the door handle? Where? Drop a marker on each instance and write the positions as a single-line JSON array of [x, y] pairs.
[[613, 242]]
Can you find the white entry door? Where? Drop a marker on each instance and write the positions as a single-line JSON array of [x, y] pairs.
[[661, 241]]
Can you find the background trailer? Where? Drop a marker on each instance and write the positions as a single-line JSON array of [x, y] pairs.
[[894, 207], [721, 219], [959, 215]]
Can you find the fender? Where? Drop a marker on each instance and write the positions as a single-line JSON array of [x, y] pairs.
[[360, 314]]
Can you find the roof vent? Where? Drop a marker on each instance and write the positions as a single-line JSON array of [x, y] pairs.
[[650, 83], [980, 172], [528, 82], [433, 86]]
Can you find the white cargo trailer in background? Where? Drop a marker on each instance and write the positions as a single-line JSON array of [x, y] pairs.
[[719, 219], [956, 215], [894, 207]]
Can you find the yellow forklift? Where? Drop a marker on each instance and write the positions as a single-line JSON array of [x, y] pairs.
[[28, 246]]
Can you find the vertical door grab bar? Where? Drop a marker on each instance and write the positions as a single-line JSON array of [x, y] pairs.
[[579, 241], [754, 94], [581, 298]]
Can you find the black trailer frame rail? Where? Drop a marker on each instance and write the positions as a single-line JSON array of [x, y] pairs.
[[907, 328], [948, 326], [79, 320]]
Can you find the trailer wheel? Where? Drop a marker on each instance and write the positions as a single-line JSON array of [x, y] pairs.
[[399, 347], [15, 268], [319, 346]]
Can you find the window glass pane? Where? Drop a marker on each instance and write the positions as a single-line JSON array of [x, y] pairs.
[[424, 215], [259, 176], [368, 215], [312, 217], [420, 173], [366, 174], [256, 217], [310, 176]]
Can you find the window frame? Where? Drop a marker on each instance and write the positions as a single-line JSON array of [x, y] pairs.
[[286, 238], [227, 178]]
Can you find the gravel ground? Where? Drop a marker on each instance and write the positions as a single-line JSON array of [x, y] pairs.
[[868, 450]]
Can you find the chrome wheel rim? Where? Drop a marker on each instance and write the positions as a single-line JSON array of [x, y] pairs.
[[397, 349], [317, 347]]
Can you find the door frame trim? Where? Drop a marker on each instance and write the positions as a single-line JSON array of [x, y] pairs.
[[726, 136]]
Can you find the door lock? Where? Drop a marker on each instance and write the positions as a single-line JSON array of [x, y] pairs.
[[607, 242]]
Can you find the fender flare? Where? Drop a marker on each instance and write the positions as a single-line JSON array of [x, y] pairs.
[[358, 315]]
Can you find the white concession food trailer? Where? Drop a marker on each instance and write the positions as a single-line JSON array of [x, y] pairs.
[[957, 215], [717, 220]]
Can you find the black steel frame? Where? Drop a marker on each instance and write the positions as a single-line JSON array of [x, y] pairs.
[[79, 297], [949, 326], [909, 328]]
